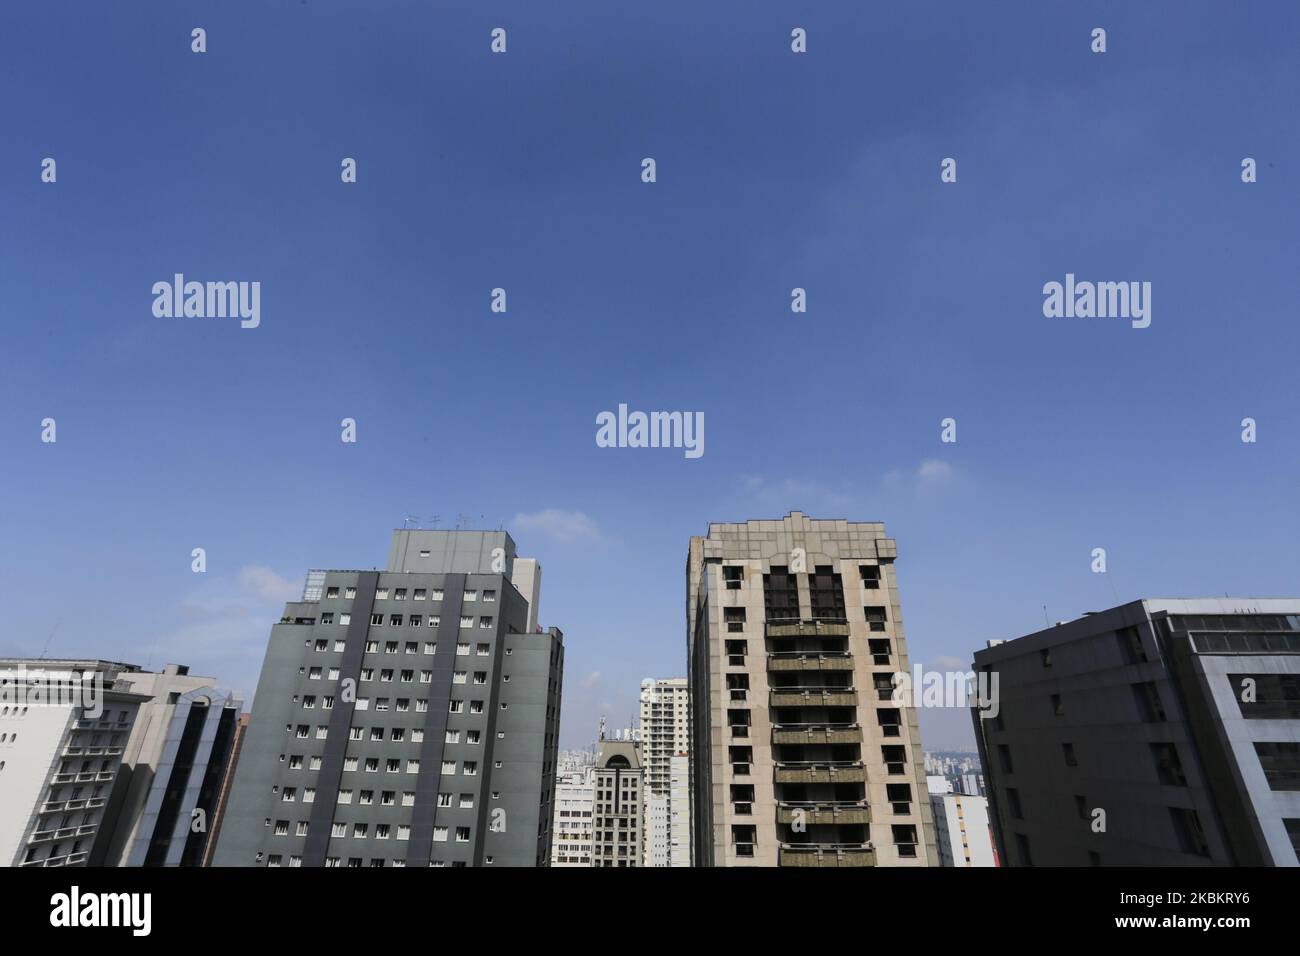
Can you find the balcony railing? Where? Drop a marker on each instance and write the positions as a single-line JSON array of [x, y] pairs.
[[827, 854], [820, 628], [816, 812], [798, 661], [820, 771], [813, 697], [816, 734]]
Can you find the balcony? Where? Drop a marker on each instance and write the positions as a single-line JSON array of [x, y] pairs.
[[816, 734], [827, 854], [807, 628], [796, 661], [811, 813], [813, 771], [814, 697]]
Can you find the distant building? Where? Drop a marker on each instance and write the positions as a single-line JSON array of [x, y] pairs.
[[665, 740], [961, 825], [1157, 733], [617, 837], [571, 833]]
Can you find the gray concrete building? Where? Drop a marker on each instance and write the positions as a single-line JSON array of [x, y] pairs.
[[1157, 733], [404, 717], [799, 757]]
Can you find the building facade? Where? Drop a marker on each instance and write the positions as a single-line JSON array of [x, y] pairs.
[[163, 809], [961, 823], [575, 803], [799, 757], [1157, 733], [405, 717], [64, 727], [619, 804], [665, 743]]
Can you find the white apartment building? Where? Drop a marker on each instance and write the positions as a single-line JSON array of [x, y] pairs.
[[961, 824], [575, 794], [63, 730], [665, 740]]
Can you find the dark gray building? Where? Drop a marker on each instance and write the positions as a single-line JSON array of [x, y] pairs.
[[404, 717], [1157, 733]]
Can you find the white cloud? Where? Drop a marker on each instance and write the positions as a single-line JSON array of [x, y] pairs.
[[563, 526], [933, 470], [268, 585], [590, 681]]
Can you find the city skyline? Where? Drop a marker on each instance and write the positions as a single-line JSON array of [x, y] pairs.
[[776, 171]]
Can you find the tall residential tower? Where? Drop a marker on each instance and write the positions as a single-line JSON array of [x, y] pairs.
[[799, 757]]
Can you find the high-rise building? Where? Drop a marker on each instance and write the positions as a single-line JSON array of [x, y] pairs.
[[571, 837], [961, 826], [799, 757], [619, 803], [1157, 733], [405, 717], [173, 769], [64, 726], [665, 738]]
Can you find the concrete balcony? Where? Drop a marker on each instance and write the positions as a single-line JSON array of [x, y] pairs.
[[820, 772], [814, 697], [825, 812], [816, 734], [807, 628], [827, 855], [795, 661]]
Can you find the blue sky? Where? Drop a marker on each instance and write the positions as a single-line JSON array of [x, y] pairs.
[[521, 171]]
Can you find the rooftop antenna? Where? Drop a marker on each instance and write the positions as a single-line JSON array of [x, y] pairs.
[[436, 519], [411, 519], [1045, 620], [460, 519], [46, 649]]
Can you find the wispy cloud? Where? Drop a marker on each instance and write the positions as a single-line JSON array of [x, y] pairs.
[[564, 526], [267, 585]]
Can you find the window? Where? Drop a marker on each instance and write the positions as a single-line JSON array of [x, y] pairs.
[[870, 574], [1169, 769], [1013, 804], [733, 575], [904, 839], [420, 594], [435, 594], [482, 650], [331, 592], [485, 622], [1188, 830], [1280, 761], [399, 594], [1147, 697], [349, 593], [381, 594], [440, 834], [462, 834], [448, 768], [345, 619], [489, 596], [466, 620], [471, 596], [1071, 760], [876, 617]]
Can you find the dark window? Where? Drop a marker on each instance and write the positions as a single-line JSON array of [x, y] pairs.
[[780, 595], [1187, 827], [827, 595], [1269, 697], [1169, 769], [1281, 763], [1004, 757], [732, 576], [735, 618], [1130, 645], [905, 838], [1070, 759], [870, 576], [1022, 850], [1149, 706], [876, 617], [1013, 804]]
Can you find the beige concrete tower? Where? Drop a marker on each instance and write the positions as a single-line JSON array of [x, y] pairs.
[[799, 756]]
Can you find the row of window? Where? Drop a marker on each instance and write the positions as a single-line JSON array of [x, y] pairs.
[[419, 594]]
